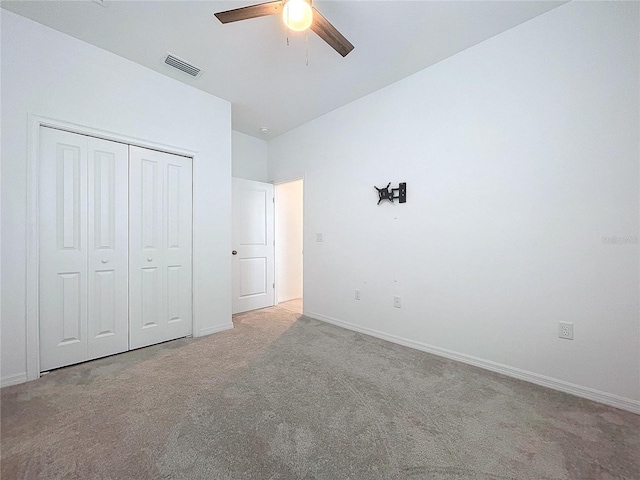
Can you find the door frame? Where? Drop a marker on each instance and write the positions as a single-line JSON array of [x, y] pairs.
[[32, 313], [304, 228]]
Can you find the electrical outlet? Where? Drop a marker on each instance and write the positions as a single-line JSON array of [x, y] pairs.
[[357, 294], [318, 237], [396, 302], [565, 330]]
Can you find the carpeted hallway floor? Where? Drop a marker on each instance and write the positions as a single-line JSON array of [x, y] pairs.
[[286, 397], [294, 306]]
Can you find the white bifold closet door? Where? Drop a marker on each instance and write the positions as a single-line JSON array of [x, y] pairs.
[[114, 247], [83, 241], [160, 216]]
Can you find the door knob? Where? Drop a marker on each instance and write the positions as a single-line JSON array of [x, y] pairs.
[[235, 252], [149, 259], [104, 260]]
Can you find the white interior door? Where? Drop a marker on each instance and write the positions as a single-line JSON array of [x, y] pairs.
[[83, 248], [253, 267], [160, 231]]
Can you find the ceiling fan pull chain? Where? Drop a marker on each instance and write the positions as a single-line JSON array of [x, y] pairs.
[[306, 34], [287, 25]]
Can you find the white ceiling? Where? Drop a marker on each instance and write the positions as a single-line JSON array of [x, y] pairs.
[[249, 63]]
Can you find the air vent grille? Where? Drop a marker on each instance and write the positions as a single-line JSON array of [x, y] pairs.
[[182, 65]]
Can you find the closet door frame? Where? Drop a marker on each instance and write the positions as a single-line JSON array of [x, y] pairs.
[[32, 323]]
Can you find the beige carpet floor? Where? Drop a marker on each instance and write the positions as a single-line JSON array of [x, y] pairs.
[[286, 397], [294, 306]]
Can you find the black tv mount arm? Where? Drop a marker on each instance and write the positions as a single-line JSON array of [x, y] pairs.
[[390, 194]]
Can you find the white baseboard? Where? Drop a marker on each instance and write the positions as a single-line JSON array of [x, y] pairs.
[[622, 403], [216, 329], [13, 379]]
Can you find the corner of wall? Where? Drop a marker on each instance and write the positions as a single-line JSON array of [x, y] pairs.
[[249, 157]]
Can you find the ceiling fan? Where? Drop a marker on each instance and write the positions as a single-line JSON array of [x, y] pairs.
[[298, 15]]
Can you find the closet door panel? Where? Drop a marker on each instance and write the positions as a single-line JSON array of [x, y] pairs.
[[145, 247], [160, 246], [63, 246], [178, 240], [108, 323]]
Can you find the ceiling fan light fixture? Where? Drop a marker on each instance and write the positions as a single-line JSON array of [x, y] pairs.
[[297, 15]]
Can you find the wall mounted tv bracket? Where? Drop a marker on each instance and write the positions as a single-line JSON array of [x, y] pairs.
[[390, 194]]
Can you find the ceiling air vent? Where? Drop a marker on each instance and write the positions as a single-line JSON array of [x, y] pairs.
[[182, 65]]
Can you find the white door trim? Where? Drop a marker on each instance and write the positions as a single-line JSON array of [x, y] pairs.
[[33, 254]]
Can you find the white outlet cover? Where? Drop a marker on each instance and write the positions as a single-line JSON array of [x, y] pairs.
[[318, 237], [565, 330], [396, 302]]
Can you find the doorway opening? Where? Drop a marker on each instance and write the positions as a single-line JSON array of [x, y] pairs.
[[289, 221]]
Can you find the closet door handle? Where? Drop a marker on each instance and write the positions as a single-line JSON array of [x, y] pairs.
[[104, 260], [235, 252], [149, 259]]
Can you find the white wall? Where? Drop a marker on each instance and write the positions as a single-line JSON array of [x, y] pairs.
[[520, 154], [288, 234], [50, 74], [249, 157]]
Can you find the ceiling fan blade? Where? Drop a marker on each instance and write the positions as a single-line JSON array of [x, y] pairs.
[[330, 34], [252, 11]]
